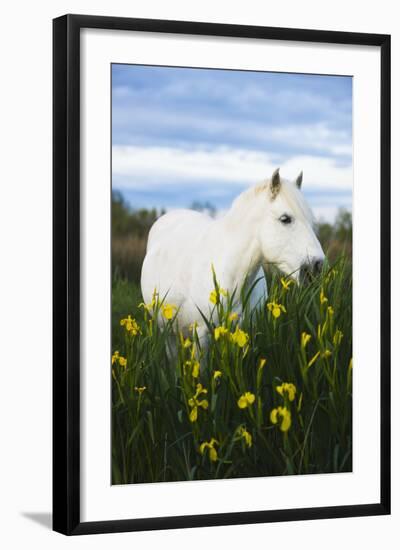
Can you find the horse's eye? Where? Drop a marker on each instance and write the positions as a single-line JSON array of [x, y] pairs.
[[285, 218]]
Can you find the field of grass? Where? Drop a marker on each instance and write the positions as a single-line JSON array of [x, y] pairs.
[[271, 394]]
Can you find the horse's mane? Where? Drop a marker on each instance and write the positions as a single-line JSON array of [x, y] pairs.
[[291, 193]]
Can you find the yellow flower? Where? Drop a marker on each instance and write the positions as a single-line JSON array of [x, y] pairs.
[[130, 325], [327, 353], [117, 358], [215, 295], [330, 310], [240, 337], [220, 331], [322, 298], [210, 445], [246, 400], [200, 390], [243, 433], [337, 337], [276, 309], [193, 415], [287, 388], [168, 310], [213, 454], [187, 343], [286, 283], [233, 316], [140, 390], [195, 403], [194, 365], [274, 416], [150, 306], [259, 376], [196, 369], [217, 374], [282, 416], [305, 338]]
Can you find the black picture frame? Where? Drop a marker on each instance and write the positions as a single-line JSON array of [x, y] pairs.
[[66, 273]]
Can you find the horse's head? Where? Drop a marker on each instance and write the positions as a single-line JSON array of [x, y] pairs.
[[286, 234]]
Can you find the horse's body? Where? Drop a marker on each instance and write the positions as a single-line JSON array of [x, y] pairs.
[[183, 246]]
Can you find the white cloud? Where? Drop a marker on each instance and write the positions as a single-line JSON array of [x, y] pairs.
[[319, 137], [137, 167]]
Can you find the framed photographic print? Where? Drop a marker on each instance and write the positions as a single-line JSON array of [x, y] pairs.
[[221, 274]]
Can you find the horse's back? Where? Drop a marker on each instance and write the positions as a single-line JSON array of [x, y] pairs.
[[175, 225], [171, 242]]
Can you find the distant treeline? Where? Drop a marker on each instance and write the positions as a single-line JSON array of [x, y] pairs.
[[130, 229], [337, 238]]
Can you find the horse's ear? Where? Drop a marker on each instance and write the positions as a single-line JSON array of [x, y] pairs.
[[275, 183], [299, 180]]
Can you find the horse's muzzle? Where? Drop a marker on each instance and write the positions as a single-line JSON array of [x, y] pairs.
[[310, 270]]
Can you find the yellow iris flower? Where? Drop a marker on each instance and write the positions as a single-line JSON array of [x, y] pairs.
[[246, 400], [219, 332], [243, 433], [288, 389], [195, 366], [239, 337], [196, 369], [130, 325], [276, 309], [281, 416], [186, 343], [195, 403], [210, 445], [286, 283], [262, 363], [215, 295], [168, 310], [117, 358], [149, 307], [322, 298]]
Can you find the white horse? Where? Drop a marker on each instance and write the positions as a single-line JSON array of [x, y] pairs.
[[269, 223]]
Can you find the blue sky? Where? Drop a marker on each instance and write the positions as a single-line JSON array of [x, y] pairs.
[[180, 135]]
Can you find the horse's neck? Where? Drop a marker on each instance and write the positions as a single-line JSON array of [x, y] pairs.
[[241, 250]]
